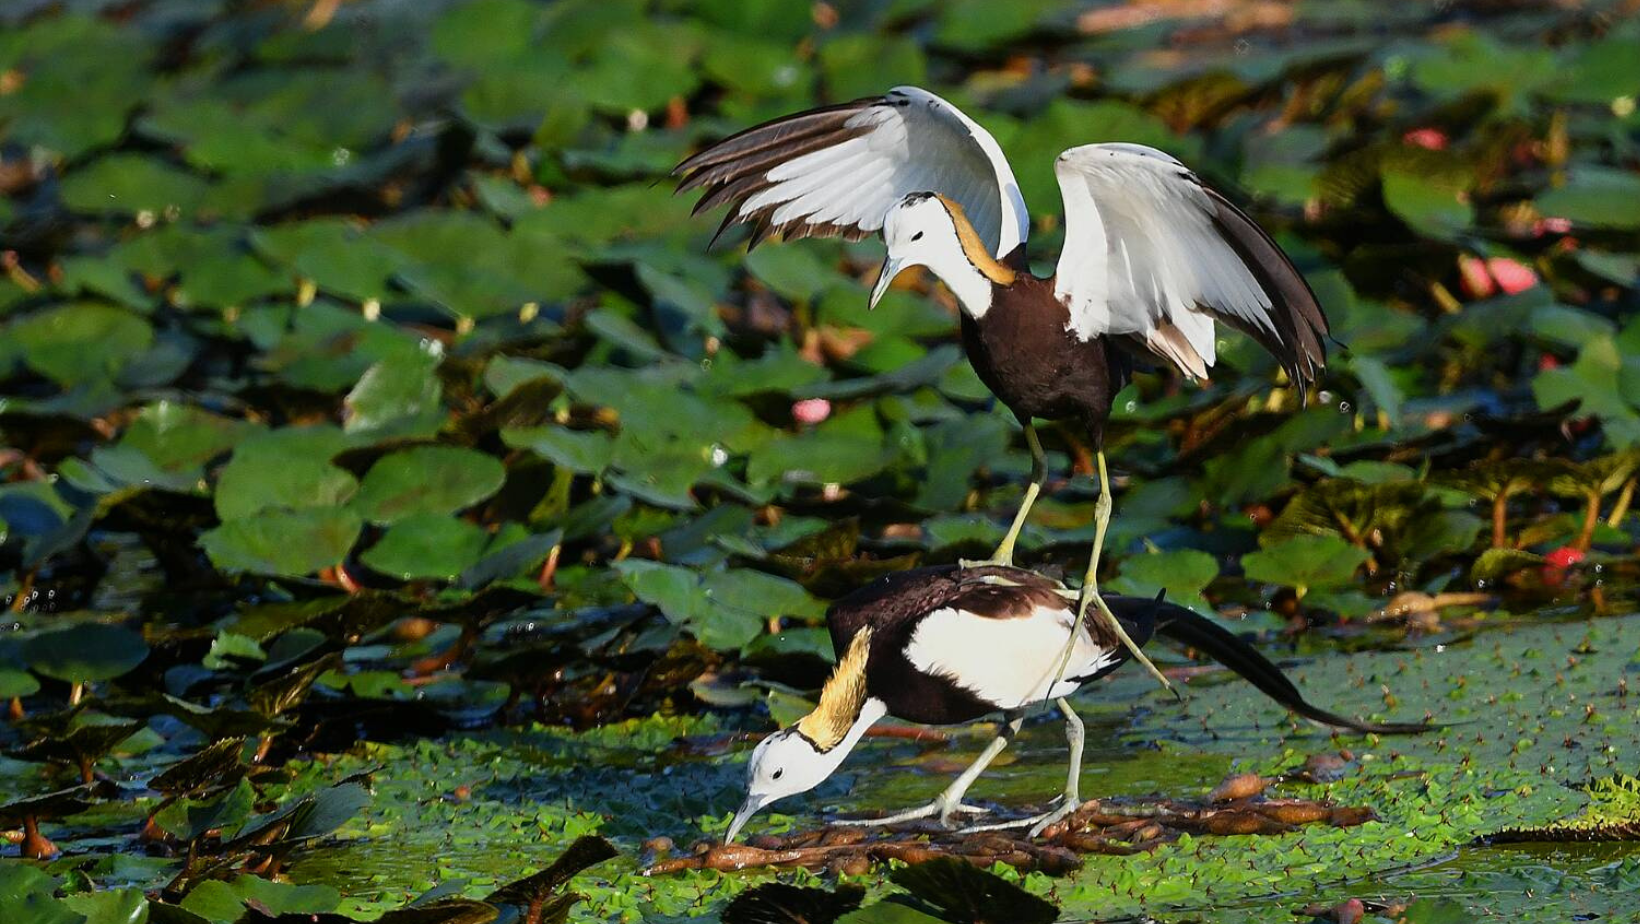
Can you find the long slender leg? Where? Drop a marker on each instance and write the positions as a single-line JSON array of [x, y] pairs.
[[1004, 555], [949, 802], [1071, 799], [1090, 588]]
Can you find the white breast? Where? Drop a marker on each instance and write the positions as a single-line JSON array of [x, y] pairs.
[[1009, 662]]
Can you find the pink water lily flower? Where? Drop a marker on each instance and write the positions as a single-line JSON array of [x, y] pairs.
[[811, 410]]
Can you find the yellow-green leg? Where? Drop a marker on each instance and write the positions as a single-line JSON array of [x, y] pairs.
[[1004, 555], [1090, 587]]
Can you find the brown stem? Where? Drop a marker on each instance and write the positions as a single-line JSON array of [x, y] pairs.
[[549, 569], [76, 692], [1591, 519], [263, 744], [449, 655], [532, 915], [87, 771], [24, 590], [1500, 520], [16, 713], [35, 845]]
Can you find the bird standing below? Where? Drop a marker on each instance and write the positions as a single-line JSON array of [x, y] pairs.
[[1152, 258], [946, 645]]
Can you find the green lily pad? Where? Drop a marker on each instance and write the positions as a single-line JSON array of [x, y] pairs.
[[85, 653], [1183, 574], [1596, 197], [289, 543], [432, 546], [79, 342], [1305, 563], [287, 468], [426, 480]]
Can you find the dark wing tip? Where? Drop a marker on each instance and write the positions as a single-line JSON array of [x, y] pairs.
[[1301, 328]]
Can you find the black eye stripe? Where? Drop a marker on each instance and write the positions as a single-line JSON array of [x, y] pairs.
[[777, 774], [917, 236]]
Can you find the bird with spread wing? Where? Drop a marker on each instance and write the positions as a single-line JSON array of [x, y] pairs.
[[1152, 259]]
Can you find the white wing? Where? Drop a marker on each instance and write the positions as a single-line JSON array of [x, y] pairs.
[[1151, 252], [838, 170], [1010, 662]]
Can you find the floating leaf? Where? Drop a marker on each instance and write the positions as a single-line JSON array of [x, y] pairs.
[[85, 653], [1305, 563], [427, 480], [288, 543]]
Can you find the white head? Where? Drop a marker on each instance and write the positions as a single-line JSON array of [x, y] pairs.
[[924, 229], [797, 758], [784, 764]]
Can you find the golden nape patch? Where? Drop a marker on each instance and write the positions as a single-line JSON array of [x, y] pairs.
[[974, 248], [841, 699]]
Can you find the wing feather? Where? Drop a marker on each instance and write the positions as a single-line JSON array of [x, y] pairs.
[[1152, 253], [837, 170]]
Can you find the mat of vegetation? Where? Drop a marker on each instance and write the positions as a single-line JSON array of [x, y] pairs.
[[398, 500]]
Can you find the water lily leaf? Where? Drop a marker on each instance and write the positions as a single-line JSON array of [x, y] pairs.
[[85, 653], [26, 894], [1498, 563], [427, 546], [818, 458], [336, 256], [1597, 197], [284, 543], [180, 438], [110, 906], [217, 763], [288, 467], [1359, 512], [1305, 563], [1594, 380], [79, 342], [81, 76], [189, 819], [16, 683], [725, 609], [427, 479], [225, 902], [1182, 573], [125, 184], [397, 397], [230, 651], [585, 451], [1431, 204]]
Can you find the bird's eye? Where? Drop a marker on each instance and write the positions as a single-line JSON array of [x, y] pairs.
[[777, 774], [917, 236]]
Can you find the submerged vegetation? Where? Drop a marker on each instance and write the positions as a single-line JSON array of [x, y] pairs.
[[404, 514]]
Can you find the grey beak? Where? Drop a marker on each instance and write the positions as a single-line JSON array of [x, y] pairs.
[[891, 268], [747, 810]]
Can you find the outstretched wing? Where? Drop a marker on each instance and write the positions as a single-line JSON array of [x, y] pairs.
[[837, 170], [1151, 252]]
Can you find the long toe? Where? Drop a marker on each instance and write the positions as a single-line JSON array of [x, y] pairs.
[[1058, 814], [995, 561]]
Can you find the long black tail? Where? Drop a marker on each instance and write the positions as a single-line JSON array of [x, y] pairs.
[[1181, 625]]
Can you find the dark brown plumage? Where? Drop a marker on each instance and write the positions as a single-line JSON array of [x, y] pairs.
[[894, 605]]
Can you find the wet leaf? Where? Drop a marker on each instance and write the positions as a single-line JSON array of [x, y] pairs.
[[1305, 563], [289, 543], [85, 653], [426, 480]]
